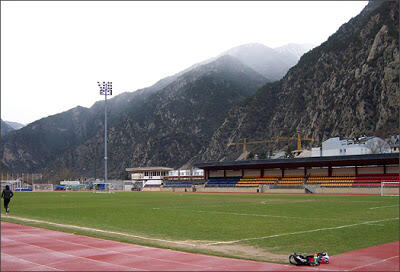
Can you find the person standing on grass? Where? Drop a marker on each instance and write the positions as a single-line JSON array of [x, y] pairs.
[[7, 194]]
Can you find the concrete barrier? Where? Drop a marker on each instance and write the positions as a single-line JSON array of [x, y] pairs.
[[348, 190], [151, 189], [318, 190]]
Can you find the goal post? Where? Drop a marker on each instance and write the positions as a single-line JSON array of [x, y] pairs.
[[390, 188], [43, 187]]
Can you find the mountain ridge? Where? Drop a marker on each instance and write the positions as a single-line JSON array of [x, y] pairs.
[[346, 86], [5, 128]]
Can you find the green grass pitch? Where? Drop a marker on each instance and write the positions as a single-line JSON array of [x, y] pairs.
[[253, 226]]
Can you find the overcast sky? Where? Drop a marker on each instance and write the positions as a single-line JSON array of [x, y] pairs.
[[53, 53]]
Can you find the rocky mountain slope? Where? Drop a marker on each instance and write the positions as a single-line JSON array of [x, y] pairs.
[[348, 86], [165, 124]]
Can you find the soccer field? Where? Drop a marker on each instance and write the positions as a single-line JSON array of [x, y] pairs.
[[252, 226]]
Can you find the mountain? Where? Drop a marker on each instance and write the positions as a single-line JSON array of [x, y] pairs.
[[292, 52], [295, 49], [37, 144], [165, 124], [15, 125], [271, 63], [347, 86], [176, 122], [5, 128]]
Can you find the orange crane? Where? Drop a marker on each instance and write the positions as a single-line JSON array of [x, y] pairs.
[[277, 139]]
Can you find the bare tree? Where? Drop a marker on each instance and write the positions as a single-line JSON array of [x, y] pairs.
[[377, 146]]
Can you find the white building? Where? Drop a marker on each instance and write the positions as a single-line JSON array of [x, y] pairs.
[[186, 173], [12, 183], [358, 146], [147, 176]]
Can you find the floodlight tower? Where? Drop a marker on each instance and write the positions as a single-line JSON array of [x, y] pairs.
[[105, 89]]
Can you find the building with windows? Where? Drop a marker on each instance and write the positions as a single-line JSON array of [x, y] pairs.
[[358, 146], [146, 177], [186, 173]]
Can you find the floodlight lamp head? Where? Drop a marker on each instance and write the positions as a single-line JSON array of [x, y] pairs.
[[105, 87]]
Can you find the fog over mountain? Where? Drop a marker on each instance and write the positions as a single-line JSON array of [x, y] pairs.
[[292, 52], [15, 125], [271, 63], [5, 128], [295, 49]]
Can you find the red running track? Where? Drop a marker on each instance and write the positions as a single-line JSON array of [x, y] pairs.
[[29, 248]]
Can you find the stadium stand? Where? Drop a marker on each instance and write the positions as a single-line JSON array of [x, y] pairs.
[[291, 180], [371, 180], [348, 172], [374, 179], [255, 181], [183, 181], [222, 181], [334, 181]]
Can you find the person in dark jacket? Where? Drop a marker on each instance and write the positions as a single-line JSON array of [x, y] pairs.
[[7, 194]]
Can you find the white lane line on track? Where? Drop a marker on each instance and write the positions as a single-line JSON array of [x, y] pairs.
[[122, 253], [381, 261], [380, 207], [98, 230], [301, 232], [35, 264], [74, 256]]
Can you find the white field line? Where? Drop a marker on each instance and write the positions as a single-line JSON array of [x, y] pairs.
[[300, 232], [195, 245], [380, 207], [381, 261], [98, 230], [263, 215]]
